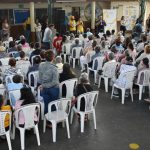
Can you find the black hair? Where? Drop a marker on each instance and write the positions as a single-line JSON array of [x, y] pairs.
[[23, 41], [146, 62], [22, 54], [27, 96], [37, 45], [85, 35], [17, 78], [36, 60], [11, 44], [67, 69], [97, 49]]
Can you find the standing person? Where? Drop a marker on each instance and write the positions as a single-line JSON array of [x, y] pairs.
[[5, 30], [148, 23], [101, 25], [38, 32], [123, 27], [49, 78], [72, 25], [80, 25], [57, 43], [27, 26], [47, 37]]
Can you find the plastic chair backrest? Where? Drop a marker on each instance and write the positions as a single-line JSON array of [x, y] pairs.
[[35, 75], [97, 63], [9, 79], [90, 99], [14, 95], [110, 70], [76, 52], [24, 67], [4, 61], [3, 68], [3, 115], [128, 78], [63, 104], [66, 48], [146, 77], [70, 85], [2, 91], [29, 112]]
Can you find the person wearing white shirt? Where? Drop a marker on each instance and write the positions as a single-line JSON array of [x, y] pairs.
[[47, 37], [38, 32]]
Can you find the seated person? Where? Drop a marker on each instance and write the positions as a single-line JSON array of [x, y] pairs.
[[12, 70], [17, 83], [37, 50], [2, 50], [4, 107], [35, 67], [59, 64], [27, 97], [12, 47], [67, 73], [144, 65], [81, 88], [42, 55]]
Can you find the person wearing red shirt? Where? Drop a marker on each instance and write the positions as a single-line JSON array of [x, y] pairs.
[[57, 43]]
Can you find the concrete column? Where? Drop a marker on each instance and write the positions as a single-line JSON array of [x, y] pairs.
[[93, 15], [32, 18]]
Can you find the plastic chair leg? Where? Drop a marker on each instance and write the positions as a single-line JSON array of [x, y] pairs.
[[106, 84], [140, 92], [37, 134], [71, 115], [8, 140], [44, 125], [13, 131], [99, 83], [112, 92], [123, 95], [82, 116], [131, 92], [74, 63], [64, 58], [67, 126], [94, 118], [22, 137], [54, 125], [95, 72]]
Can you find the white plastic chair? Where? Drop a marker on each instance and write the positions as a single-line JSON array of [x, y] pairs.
[[2, 126], [35, 75], [70, 85], [128, 84], [32, 59], [75, 55], [14, 95], [66, 50], [41, 102], [99, 62], [59, 115], [9, 79], [24, 67], [4, 61], [90, 99], [29, 114], [109, 73], [146, 81]]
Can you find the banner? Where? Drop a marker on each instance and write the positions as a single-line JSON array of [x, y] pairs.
[[20, 15], [131, 13], [110, 17]]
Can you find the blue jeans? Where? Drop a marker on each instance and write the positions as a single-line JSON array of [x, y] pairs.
[[49, 95], [46, 45]]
